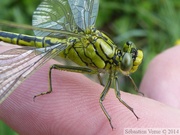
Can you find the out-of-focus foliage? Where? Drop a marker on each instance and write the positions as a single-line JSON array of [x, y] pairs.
[[19, 11], [152, 25]]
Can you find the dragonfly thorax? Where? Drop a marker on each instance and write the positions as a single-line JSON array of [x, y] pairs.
[[96, 50]]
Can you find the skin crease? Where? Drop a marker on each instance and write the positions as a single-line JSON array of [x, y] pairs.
[[73, 106]]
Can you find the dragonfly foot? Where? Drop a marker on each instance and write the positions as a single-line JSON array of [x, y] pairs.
[[43, 93]]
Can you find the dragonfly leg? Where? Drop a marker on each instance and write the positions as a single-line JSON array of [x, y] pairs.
[[65, 68], [135, 86], [100, 79], [118, 95], [102, 97]]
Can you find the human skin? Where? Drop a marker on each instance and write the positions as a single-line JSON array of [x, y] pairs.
[[73, 106]]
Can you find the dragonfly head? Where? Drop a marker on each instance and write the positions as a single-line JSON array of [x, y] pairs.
[[131, 58]]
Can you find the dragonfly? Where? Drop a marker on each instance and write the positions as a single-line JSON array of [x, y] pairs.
[[66, 28]]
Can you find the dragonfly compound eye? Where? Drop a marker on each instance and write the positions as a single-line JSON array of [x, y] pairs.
[[127, 62]]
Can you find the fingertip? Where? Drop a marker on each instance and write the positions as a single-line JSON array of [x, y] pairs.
[[161, 80]]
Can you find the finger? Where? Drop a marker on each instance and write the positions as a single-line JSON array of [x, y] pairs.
[[73, 107], [161, 81]]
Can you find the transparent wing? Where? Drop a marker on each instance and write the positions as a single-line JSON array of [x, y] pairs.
[[84, 12], [17, 64], [54, 14]]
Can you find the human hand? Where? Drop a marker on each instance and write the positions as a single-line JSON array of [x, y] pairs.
[[73, 106]]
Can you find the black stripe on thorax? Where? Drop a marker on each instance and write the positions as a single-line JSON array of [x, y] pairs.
[[78, 55], [89, 58], [108, 61], [96, 49]]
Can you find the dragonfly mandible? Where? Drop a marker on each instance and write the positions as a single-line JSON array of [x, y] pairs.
[[66, 28]]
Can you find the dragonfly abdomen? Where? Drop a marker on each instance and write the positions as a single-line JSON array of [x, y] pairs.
[[26, 40]]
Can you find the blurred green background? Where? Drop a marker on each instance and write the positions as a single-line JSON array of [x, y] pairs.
[[152, 25]]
